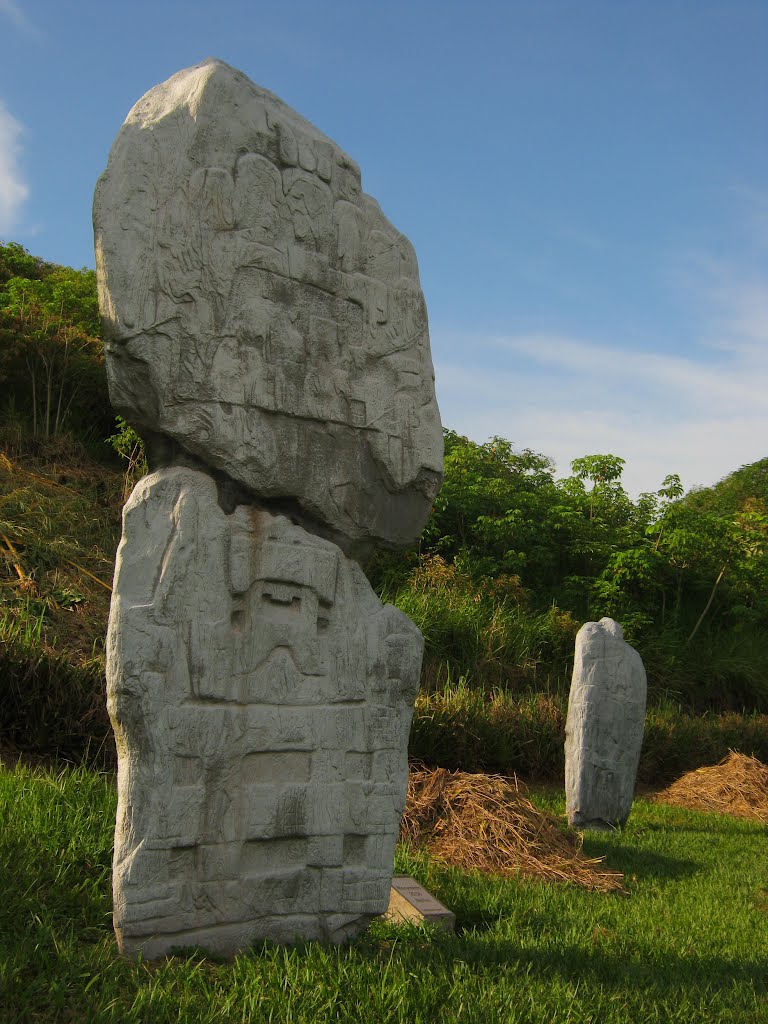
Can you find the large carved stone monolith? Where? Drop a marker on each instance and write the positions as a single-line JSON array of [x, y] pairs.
[[266, 332], [604, 729], [261, 313]]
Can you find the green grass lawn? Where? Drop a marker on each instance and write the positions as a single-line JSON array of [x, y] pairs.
[[688, 943]]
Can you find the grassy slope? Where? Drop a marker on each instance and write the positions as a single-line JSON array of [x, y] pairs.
[[689, 942], [59, 527]]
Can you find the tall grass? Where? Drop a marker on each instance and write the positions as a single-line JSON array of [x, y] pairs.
[[59, 526], [466, 727], [489, 634], [723, 670], [22, 626], [59, 522]]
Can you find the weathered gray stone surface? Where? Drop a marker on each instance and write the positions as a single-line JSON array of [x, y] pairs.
[[604, 729], [262, 313], [267, 333], [261, 698]]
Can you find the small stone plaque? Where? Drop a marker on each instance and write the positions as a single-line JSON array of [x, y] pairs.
[[409, 901]]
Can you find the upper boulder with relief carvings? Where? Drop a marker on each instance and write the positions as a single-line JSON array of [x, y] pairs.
[[262, 313]]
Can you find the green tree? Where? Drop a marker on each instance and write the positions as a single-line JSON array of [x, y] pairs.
[[52, 358], [492, 513], [15, 261], [604, 473]]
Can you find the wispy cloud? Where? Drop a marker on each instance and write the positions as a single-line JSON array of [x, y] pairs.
[[741, 316], [18, 18], [700, 411], [726, 379], [13, 188], [566, 421], [579, 236], [754, 206], [701, 416]]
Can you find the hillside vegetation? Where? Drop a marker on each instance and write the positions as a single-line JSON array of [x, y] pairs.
[[512, 561], [510, 564]]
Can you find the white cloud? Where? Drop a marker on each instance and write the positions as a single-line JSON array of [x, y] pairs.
[[13, 189]]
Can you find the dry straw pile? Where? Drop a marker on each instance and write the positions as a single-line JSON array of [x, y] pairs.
[[485, 823], [738, 785]]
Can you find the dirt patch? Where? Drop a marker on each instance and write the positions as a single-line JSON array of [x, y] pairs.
[[485, 823], [738, 785]]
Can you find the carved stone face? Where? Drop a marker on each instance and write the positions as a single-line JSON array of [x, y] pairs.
[[262, 312]]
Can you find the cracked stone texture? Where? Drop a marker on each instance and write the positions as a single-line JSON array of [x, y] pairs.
[[262, 312], [604, 728], [261, 698]]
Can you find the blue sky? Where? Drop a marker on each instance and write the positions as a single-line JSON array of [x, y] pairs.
[[585, 183]]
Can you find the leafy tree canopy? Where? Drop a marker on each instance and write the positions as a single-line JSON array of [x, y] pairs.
[[51, 358]]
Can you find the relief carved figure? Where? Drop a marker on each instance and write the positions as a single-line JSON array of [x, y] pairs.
[[261, 744], [254, 218]]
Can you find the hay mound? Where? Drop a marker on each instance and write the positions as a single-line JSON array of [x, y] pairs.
[[738, 785], [484, 823]]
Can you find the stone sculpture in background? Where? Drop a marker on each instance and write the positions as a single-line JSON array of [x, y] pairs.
[[267, 333], [604, 729]]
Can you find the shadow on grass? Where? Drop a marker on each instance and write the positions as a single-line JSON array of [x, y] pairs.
[[721, 825], [642, 863], [663, 971], [71, 890]]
